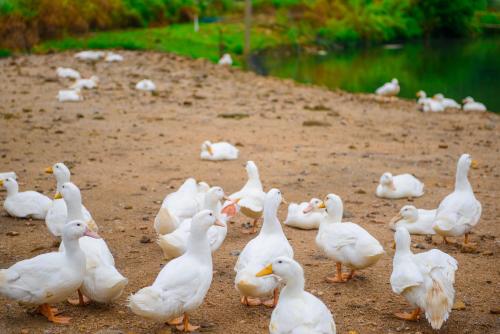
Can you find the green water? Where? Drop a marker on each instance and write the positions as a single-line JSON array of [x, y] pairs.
[[455, 68]]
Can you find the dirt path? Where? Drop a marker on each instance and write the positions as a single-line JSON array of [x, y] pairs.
[[127, 150]]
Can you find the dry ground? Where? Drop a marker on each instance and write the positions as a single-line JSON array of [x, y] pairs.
[[128, 149]]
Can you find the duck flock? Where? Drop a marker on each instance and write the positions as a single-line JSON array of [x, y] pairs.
[[192, 223]]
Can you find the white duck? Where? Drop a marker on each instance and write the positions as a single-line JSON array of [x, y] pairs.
[[102, 282], [306, 215], [399, 186], [113, 57], [146, 85], [471, 105], [64, 72], [176, 207], [425, 280], [5, 175], [226, 60], [250, 198], [297, 310], [446, 102], [182, 284], [259, 252], [89, 55], [69, 95], [432, 105], [218, 151], [89, 83], [345, 242], [57, 213], [422, 97], [202, 190], [25, 204], [175, 244], [48, 278], [416, 221], [389, 88], [460, 211]]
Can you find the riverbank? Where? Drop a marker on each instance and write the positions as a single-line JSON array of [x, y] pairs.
[[128, 149]]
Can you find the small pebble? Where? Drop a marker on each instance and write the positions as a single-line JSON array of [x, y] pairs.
[[145, 239]]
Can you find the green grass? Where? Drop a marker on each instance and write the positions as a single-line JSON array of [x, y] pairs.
[[180, 39]]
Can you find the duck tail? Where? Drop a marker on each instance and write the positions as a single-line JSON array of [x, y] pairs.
[[439, 299], [148, 303], [165, 222], [171, 245], [107, 285]]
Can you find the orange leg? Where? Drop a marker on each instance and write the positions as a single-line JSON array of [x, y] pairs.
[[176, 321], [349, 276], [186, 326], [413, 316], [250, 301], [338, 277], [253, 229], [81, 301], [49, 313], [274, 301]]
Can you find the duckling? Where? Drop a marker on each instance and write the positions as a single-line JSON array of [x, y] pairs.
[[425, 280], [26, 204], [345, 242]]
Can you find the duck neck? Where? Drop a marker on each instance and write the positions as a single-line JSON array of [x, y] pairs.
[[211, 202], [254, 180], [72, 247], [294, 287], [335, 216], [271, 223], [461, 179], [402, 250], [199, 247], [12, 190], [74, 210]]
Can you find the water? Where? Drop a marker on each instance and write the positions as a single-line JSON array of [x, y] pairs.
[[455, 68]]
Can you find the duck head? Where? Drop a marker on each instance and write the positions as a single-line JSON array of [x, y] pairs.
[[408, 213], [387, 181], [334, 207], [76, 229], [468, 99], [315, 205], [207, 147], [203, 220], [10, 185], [284, 267]]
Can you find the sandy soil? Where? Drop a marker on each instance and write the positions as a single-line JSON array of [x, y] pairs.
[[128, 149]]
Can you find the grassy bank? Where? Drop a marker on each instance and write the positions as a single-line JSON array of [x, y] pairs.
[[209, 42]]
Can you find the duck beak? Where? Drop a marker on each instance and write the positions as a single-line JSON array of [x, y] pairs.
[[92, 234], [474, 164], [49, 170], [209, 149], [322, 205], [1, 183], [219, 223], [266, 271], [394, 245], [308, 209], [395, 219], [58, 195], [226, 198], [283, 200], [392, 186]]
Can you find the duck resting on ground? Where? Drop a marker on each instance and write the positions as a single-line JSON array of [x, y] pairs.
[[389, 88], [416, 221], [218, 151], [25, 204], [399, 186], [306, 215]]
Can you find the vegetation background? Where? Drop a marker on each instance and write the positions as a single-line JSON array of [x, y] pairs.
[[26, 24]]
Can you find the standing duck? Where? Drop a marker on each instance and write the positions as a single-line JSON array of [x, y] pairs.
[[48, 278], [175, 244], [389, 88], [460, 211], [102, 282], [182, 284], [176, 207], [399, 186], [270, 243], [297, 310], [57, 213], [346, 243], [25, 204], [250, 199], [425, 280]]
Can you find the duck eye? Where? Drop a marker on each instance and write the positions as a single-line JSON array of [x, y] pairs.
[[78, 224], [280, 261], [211, 214]]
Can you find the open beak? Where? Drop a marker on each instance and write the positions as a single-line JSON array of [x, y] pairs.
[[219, 223], [49, 170], [474, 164], [322, 205], [92, 234], [308, 209], [266, 271], [209, 149], [58, 195]]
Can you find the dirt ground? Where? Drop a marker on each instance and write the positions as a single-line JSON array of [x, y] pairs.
[[128, 149]]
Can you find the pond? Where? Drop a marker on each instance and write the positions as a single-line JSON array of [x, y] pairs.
[[455, 68]]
